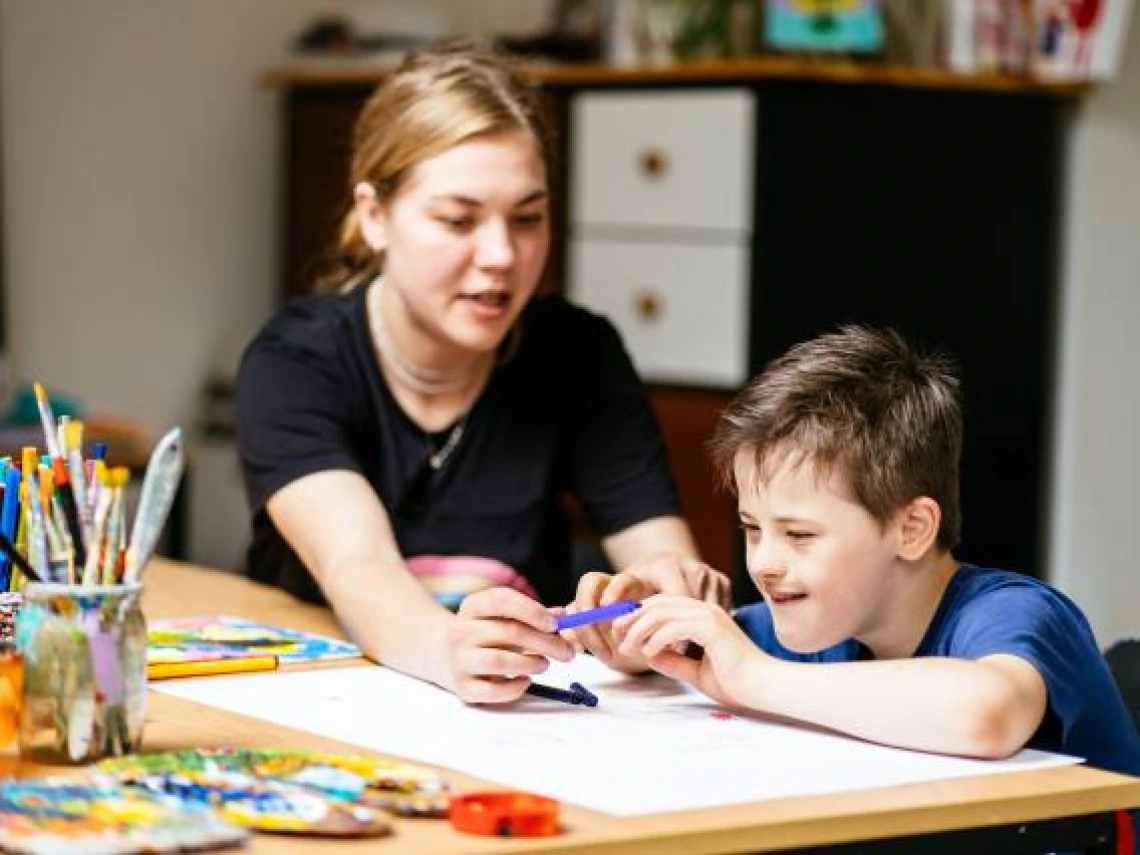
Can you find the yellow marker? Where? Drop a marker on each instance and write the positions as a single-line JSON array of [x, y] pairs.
[[29, 460], [167, 670]]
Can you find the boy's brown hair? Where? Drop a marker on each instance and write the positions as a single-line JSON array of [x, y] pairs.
[[863, 400]]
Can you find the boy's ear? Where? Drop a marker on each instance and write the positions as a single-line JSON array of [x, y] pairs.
[[918, 527], [369, 215]]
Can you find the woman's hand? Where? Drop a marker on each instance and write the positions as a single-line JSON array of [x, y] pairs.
[[500, 639], [664, 624], [663, 574]]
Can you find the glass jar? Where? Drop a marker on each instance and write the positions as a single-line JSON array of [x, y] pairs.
[[84, 651]]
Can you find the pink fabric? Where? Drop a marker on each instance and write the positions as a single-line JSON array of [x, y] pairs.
[[439, 567]]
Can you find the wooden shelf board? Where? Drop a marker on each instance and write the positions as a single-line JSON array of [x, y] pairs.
[[355, 72]]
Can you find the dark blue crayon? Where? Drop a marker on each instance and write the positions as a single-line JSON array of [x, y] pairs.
[[588, 697], [551, 693]]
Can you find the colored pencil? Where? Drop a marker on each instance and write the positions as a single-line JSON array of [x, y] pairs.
[[201, 668]]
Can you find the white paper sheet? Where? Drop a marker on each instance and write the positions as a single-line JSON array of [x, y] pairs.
[[651, 745]]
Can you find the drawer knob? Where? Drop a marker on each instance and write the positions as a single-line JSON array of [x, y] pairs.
[[650, 307], [654, 163]]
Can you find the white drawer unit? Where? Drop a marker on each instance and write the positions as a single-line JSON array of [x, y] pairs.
[[662, 227], [682, 310], [665, 159]]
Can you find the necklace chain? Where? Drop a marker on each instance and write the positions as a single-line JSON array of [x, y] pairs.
[[426, 381], [439, 458]]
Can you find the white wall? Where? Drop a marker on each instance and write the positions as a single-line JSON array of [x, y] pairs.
[[1096, 509]]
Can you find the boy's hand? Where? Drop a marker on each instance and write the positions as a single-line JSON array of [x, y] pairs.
[[498, 640], [664, 574], [665, 624]]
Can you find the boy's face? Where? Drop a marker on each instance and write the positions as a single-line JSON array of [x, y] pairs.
[[822, 562]]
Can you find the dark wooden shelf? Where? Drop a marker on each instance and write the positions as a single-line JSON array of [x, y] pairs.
[[331, 72]]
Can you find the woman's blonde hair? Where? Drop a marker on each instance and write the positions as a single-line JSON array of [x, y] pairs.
[[435, 99]]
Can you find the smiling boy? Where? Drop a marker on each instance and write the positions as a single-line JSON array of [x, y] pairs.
[[844, 456]]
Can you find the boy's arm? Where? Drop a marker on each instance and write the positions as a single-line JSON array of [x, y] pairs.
[[985, 708], [988, 708]]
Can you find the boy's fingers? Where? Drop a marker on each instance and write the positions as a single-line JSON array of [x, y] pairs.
[[678, 667], [591, 588]]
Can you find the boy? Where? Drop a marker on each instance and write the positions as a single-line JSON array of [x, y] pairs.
[[844, 456]]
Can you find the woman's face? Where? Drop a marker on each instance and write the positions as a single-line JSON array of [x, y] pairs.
[[465, 239]]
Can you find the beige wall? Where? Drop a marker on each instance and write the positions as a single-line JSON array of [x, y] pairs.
[[1096, 511]]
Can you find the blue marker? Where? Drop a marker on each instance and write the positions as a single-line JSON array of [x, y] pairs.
[[9, 516], [613, 610]]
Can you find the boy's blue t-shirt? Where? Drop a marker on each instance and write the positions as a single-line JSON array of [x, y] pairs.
[[985, 612]]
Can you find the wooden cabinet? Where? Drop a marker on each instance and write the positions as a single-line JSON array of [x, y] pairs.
[[719, 218]]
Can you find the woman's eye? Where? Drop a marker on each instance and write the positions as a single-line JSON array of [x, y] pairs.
[[529, 221], [800, 535], [456, 222]]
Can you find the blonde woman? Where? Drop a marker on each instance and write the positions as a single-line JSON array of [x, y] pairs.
[[416, 427]]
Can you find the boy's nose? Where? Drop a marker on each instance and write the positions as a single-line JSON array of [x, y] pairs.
[[765, 564]]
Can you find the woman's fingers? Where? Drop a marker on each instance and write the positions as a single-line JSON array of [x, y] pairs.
[[483, 690], [499, 663], [498, 633], [508, 603]]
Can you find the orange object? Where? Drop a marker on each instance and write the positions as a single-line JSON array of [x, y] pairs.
[[504, 814], [11, 693]]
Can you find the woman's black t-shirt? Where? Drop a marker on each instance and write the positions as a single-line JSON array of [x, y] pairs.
[[566, 415]]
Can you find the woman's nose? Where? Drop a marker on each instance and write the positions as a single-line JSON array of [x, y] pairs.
[[495, 248]]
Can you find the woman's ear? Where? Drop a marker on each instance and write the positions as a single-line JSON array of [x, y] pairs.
[[919, 522], [369, 215]]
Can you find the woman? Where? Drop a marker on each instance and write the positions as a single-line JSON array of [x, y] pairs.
[[427, 418]]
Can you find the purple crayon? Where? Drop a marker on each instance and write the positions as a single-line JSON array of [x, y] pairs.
[[613, 610]]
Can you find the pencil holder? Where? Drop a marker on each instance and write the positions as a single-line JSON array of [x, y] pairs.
[[84, 653], [10, 602]]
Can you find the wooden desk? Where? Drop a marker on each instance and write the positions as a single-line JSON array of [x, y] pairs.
[[1008, 800]]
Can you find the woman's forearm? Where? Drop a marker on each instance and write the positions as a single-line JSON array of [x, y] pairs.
[[391, 617]]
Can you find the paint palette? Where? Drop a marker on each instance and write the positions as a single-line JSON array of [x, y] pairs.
[[400, 788], [48, 817], [263, 804]]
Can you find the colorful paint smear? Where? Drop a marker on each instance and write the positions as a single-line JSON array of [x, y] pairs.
[[353, 780], [200, 639], [70, 818]]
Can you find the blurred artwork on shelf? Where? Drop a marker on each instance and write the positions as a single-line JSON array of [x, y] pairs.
[[824, 25], [1079, 39]]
